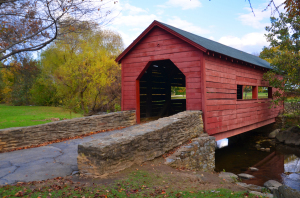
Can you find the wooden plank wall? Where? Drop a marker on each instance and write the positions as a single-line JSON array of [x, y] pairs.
[[224, 113], [161, 45]]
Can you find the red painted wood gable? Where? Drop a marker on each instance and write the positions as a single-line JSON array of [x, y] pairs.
[[159, 44]]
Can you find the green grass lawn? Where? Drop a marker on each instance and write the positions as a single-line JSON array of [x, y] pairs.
[[249, 95], [178, 97], [19, 116]]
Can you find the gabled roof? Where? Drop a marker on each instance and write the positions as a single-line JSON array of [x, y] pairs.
[[201, 43]]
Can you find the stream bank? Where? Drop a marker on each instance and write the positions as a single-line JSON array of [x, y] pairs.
[[274, 161]]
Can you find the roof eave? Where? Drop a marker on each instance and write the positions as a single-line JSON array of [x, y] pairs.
[[242, 61]]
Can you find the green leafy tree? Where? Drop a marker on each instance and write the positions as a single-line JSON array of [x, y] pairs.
[[82, 66], [283, 54], [44, 92], [17, 80]]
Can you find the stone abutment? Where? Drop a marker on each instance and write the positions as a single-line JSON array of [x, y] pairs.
[[144, 142]]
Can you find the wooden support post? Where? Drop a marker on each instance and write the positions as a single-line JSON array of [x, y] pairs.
[[243, 91], [270, 92], [168, 90], [167, 75], [254, 92], [203, 91], [138, 110], [149, 93]]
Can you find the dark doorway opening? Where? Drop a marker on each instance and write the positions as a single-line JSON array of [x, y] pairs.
[[158, 88]]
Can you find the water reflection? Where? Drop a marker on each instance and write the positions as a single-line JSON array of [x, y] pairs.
[[281, 163], [222, 143], [291, 175], [291, 163]]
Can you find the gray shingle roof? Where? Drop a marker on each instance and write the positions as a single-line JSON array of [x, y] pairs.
[[220, 48]]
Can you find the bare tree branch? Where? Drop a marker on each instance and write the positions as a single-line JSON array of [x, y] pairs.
[[30, 25]]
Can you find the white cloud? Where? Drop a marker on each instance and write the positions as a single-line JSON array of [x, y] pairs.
[[128, 38], [132, 9], [254, 21], [184, 4], [187, 26], [252, 42], [134, 25], [212, 38], [160, 12], [131, 21], [260, 14], [141, 21]]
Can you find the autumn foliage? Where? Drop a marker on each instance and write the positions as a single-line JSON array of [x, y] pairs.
[[78, 71]]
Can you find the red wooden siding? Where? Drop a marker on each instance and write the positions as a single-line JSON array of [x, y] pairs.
[[224, 113], [158, 44]]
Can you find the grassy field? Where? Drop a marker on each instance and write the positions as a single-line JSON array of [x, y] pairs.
[[19, 116]]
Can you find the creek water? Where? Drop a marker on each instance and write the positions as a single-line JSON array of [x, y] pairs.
[[281, 163]]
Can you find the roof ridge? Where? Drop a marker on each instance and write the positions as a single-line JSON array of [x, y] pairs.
[[256, 60], [206, 38]]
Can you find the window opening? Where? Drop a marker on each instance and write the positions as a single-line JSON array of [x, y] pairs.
[[262, 92], [247, 92], [178, 93]]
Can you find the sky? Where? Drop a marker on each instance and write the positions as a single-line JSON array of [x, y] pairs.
[[229, 22]]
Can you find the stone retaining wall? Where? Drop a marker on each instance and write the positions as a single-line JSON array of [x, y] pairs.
[[12, 138], [137, 144], [197, 155]]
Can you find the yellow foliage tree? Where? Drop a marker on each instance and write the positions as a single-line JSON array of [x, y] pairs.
[[82, 66]]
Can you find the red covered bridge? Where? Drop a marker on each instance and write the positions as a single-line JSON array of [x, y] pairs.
[[214, 75]]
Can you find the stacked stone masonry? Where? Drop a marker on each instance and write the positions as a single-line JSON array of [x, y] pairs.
[[197, 155], [139, 143], [12, 138]]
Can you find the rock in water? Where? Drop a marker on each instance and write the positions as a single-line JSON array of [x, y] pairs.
[[274, 133], [286, 192], [272, 185], [246, 176], [291, 136], [253, 169]]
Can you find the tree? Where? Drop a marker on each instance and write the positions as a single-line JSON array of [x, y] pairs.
[[283, 54], [17, 81], [30, 25], [82, 66]]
